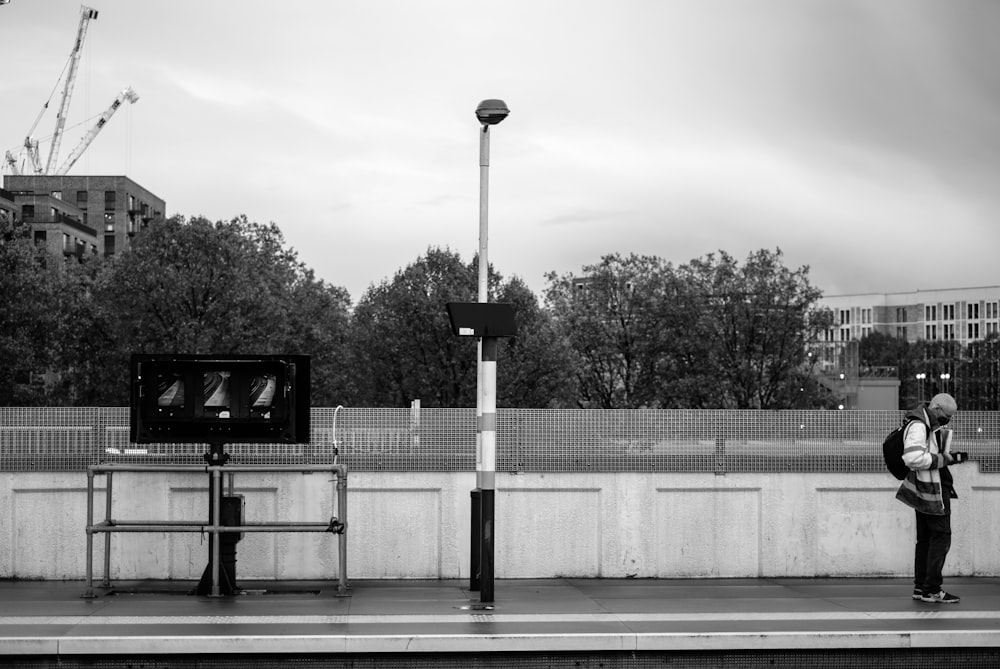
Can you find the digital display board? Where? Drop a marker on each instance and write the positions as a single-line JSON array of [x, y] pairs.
[[219, 398]]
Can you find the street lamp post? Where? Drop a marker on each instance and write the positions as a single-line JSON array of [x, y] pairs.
[[920, 387], [489, 113], [944, 381], [843, 391]]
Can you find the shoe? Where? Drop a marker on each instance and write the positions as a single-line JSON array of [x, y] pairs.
[[918, 594], [941, 597]]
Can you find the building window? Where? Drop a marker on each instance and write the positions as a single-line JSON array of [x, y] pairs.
[[992, 328], [27, 211], [947, 312], [930, 332], [41, 237], [109, 245], [845, 316], [900, 314], [57, 194], [109, 199], [81, 198], [973, 310], [991, 309], [845, 334], [948, 331], [901, 332], [930, 312], [973, 331]]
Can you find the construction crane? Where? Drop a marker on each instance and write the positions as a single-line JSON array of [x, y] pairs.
[[126, 94], [30, 147], [86, 15], [12, 163]]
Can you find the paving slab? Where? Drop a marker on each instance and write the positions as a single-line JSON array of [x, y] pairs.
[[46, 618]]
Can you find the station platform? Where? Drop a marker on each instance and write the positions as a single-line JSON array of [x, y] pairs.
[[552, 622]]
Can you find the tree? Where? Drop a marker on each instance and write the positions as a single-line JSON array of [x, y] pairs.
[[980, 375], [536, 368], [758, 319], [202, 287], [878, 349], [33, 319], [709, 334], [401, 341], [607, 317], [404, 349]]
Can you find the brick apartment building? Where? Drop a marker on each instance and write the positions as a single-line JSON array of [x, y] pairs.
[[8, 210], [81, 215]]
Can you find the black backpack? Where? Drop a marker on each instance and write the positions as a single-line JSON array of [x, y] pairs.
[[892, 451]]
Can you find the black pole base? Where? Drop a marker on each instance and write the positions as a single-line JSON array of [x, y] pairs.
[[486, 557], [227, 571], [476, 534]]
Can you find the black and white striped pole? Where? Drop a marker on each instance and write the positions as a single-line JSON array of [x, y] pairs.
[[489, 113], [489, 322]]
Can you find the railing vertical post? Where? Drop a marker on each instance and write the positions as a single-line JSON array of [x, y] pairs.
[[90, 533], [216, 494], [107, 536], [342, 539]]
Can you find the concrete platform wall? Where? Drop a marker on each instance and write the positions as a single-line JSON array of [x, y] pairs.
[[416, 525]]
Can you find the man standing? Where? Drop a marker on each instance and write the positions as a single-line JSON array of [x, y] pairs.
[[929, 489]]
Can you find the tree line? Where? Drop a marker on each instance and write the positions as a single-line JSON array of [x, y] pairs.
[[970, 373], [630, 331]]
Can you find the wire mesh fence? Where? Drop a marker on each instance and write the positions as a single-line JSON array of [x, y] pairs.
[[528, 440]]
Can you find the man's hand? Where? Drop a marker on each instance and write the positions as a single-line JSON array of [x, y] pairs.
[[958, 457]]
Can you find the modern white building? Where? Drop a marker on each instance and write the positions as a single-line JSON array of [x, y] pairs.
[[947, 314], [959, 315]]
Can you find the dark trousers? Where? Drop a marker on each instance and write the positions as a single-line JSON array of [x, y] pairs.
[[933, 542]]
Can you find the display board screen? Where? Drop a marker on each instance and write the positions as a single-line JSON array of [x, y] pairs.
[[219, 398]]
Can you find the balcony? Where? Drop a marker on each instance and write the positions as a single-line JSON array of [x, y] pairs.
[[62, 220], [78, 249]]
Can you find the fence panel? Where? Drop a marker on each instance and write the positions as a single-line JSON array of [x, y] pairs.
[[528, 440]]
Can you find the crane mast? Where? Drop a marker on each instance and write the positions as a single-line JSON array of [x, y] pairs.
[[12, 163], [86, 15], [126, 94], [30, 148]]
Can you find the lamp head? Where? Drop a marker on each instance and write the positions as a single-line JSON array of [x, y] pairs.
[[491, 112]]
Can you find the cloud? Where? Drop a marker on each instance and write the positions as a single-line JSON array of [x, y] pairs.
[[833, 129]]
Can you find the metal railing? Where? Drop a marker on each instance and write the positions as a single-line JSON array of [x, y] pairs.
[[528, 440], [214, 525]]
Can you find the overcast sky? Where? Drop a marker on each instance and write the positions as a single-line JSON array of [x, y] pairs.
[[861, 137]]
